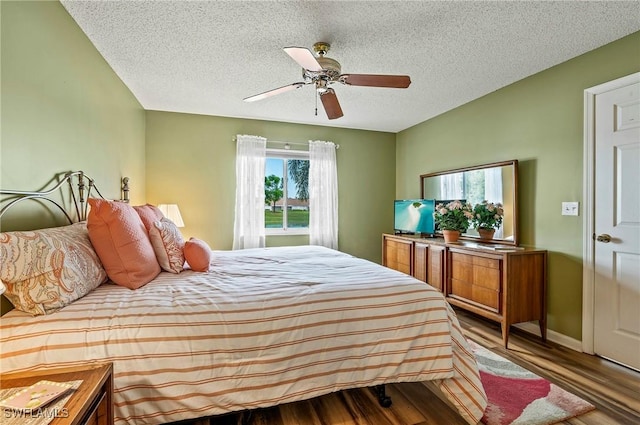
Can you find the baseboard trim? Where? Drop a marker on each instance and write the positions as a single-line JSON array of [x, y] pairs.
[[553, 336]]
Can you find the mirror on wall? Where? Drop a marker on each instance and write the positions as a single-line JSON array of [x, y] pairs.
[[495, 182]]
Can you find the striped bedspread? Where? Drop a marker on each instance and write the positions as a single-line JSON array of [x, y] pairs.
[[262, 327]]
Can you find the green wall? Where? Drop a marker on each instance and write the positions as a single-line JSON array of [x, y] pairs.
[[62, 109], [191, 162], [539, 122]]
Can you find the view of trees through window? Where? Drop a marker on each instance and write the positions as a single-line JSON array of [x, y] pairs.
[[474, 186], [286, 190]]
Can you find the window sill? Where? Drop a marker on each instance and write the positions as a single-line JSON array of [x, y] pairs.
[[288, 232]]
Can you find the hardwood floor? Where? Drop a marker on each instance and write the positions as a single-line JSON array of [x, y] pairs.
[[613, 389]]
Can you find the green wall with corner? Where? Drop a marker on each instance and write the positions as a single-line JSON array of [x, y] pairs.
[[539, 122], [62, 109], [191, 162]]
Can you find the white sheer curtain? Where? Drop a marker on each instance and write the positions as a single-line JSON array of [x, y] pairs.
[[248, 228], [323, 194], [451, 186], [493, 191]]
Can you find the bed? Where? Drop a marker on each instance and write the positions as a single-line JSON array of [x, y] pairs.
[[261, 327]]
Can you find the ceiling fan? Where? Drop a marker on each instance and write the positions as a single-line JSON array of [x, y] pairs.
[[322, 71]]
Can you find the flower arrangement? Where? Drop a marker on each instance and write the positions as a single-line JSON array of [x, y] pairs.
[[453, 216], [487, 215]]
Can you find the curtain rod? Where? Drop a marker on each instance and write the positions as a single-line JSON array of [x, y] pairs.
[[286, 143]]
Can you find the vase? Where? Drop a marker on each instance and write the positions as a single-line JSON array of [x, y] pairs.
[[451, 235], [486, 234]]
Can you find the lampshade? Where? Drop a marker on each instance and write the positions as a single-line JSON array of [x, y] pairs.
[[172, 212]]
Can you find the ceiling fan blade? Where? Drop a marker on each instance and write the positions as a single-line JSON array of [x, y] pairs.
[[304, 57], [373, 80], [273, 92], [331, 104]]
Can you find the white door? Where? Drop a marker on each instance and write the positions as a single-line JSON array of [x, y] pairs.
[[617, 225]]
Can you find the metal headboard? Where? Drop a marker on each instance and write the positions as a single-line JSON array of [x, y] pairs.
[[85, 186]]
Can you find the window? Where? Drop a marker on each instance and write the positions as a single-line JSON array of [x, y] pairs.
[[468, 186], [286, 189]]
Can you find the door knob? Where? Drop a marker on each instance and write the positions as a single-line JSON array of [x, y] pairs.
[[604, 238]]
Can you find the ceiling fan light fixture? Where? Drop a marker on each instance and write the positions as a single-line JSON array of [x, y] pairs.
[[331, 70], [321, 86], [330, 66]]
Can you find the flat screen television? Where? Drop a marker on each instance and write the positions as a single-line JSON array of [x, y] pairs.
[[414, 216]]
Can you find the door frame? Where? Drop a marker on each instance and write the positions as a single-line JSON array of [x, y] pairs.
[[588, 199]]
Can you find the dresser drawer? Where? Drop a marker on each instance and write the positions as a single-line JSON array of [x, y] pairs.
[[477, 271], [482, 297], [491, 263], [397, 255]]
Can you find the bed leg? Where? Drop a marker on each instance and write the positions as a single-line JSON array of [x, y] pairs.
[[247, 417], [383, 399]]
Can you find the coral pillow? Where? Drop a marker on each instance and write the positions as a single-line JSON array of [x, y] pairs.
[[168, 244], [44, 270], [198, 254], [120, 239], [149, 214]]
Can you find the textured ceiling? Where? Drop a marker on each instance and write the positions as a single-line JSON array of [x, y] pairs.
[[205, 57]]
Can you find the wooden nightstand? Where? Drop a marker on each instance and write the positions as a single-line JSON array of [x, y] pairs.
[[90, 404]]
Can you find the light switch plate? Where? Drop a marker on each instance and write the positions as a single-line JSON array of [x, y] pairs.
[[570, 208]]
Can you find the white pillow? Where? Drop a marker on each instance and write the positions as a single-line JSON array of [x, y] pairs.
[[168, 244]]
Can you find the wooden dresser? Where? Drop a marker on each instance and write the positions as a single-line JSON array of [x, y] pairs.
[[507, 286]]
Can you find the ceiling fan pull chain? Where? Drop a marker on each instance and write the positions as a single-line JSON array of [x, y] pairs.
[[316, 98]]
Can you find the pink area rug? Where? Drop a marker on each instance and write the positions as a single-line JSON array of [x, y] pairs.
[[519, 397]]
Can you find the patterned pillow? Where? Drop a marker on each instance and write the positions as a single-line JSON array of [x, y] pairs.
[[44, 270], [168, 245]]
